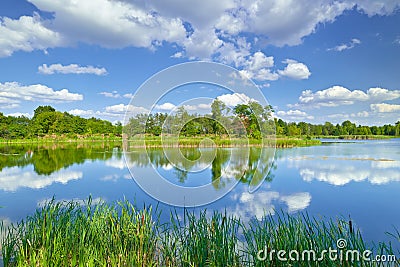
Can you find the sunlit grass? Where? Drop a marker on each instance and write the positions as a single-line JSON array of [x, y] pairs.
[[281, 142], [70, 234]]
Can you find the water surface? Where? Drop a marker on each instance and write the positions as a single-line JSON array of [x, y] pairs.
[[358, 180]]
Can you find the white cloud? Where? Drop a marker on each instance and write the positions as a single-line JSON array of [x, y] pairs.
[[261, 203], [118, 163], [341, 170], [170, 107], [385, 108], [26, 34], [165, 107], [19, 114], [257, 66], [381, 94], [342, 174], [14, 178], [294, 115], [346, 46], [71, 69], [334, 96], [295, 70], [338, 95], [297, 201], [114, 111], [129, 95], [113, 94], [202, 44], [12, 93], [177, 55], [210, 25], [272, 19], [82, 113], [119, 109], [234, 99], [114, 24], [377, 7]]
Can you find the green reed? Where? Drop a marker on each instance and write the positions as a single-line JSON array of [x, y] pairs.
[[71, 234], [67, 234]]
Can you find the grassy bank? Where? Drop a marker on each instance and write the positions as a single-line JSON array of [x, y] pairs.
[[68, 234], [279, 142], [61, 139]]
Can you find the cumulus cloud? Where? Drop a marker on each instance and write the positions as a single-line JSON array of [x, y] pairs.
[[82, 113], [257, 66], [115, 111], [113, 94], [346, 46], [27, 34], [294, 115], [165, 106], [120, 109], [115, 24], [211, 30], [170, 107], [385, 108], [232, 100], [377, 7], [177, 55], [295, 70], [71, 69], [339, 95], [381, 94], [12, 93]]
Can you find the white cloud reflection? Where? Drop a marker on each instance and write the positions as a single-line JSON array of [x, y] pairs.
[[263, 203], [14, 178], [341, 171]]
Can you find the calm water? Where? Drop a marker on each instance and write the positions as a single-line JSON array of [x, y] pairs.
[[359, 179]]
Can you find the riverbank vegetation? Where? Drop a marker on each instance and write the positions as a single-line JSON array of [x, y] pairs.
[[47, 122], [100, 234], [248, 120], [223, 125]]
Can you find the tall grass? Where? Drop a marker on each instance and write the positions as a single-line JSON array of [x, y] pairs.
[[69, 234], [151, 141]]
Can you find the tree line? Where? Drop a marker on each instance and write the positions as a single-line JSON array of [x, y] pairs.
[[46, 121], [250, 120]]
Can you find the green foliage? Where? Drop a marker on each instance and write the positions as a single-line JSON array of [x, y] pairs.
[[251, 120], [100, 234], [48, 158], [47, 122]]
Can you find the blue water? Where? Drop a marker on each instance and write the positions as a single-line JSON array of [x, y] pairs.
[[352, 180]]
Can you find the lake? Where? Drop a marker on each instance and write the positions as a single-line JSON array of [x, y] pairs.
[[349, 179]]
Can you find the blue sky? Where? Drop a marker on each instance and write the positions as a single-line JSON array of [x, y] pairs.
[[314, 61]]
